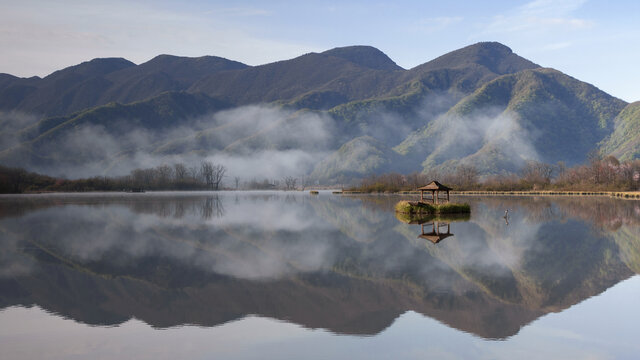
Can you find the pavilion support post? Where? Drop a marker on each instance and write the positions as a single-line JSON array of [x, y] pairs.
[[435, 197], [421, 195]]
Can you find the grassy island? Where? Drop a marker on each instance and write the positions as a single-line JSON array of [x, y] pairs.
[[424, 218], [422, 208]]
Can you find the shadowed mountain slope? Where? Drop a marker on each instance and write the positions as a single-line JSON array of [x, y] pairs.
[[100, 81]]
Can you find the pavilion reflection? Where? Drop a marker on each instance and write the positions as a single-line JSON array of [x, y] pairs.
[[437, 232], [433, 228]]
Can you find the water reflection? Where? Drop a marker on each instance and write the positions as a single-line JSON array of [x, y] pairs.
[[437, 232], [433, 228], [340, 263]]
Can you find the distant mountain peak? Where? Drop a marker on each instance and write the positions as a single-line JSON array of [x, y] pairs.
[[490, 45], [207, 60], [364, 55], [495, 56], [95, 67]]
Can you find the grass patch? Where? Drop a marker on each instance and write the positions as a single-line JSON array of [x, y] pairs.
[[420, 208], [423, 218], [453, 208], [407, 207]]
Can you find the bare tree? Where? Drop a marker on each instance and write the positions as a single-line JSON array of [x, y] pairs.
[[164, 174], [561, 169], [212, 174], [143, 177], [206, 173], [467, 175], [416, 180], [193, 173], [179, 171], [237, 181], [290, 182], [218, 175], [537, 172]]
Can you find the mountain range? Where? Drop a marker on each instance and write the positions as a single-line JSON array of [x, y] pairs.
[[351, 111]]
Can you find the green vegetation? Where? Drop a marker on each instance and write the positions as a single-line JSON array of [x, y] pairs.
[[624, 142], [452, 208], [413, 218], [421, 208]]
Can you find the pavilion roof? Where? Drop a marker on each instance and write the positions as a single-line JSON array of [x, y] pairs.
[[434, 185]]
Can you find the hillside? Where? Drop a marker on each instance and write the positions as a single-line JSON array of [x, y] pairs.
[[538, 114], [94, 137], [360, 156], [624, 142], [481, 105]]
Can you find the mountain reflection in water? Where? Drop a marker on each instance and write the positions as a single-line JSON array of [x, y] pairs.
[[341, 263]]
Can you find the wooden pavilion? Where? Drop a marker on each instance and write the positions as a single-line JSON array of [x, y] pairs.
[[435, 187]]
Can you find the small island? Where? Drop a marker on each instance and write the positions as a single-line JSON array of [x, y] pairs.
[[423, 208], [432, 206]]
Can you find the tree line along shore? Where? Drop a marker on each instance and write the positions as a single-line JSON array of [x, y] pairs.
[[600, 176], [204, 176]]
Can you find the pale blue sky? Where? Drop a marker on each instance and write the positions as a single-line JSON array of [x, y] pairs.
[[593, 40]]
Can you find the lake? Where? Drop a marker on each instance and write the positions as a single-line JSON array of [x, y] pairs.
[[289, 275]]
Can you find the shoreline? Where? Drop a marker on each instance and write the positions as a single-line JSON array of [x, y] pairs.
[[616, 194]]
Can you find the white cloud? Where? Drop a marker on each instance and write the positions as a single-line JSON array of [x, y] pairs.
[[539, 16]]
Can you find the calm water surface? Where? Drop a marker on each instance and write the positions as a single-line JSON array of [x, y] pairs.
[[259, 275]]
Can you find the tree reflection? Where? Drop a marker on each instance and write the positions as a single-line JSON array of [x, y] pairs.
[[211, 207]]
